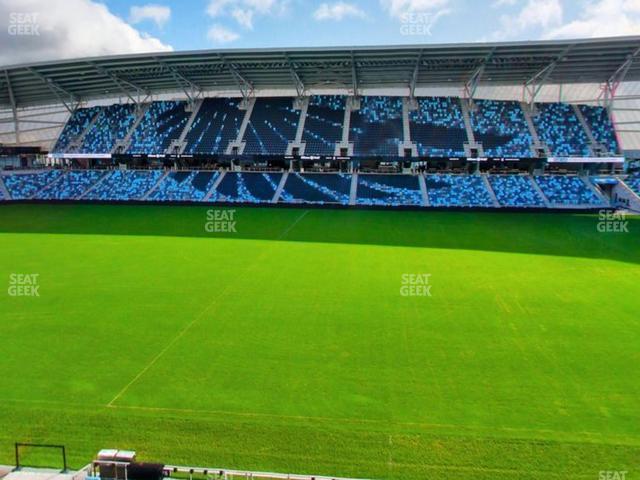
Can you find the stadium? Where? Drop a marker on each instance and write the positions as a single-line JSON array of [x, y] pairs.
[[394, 262]]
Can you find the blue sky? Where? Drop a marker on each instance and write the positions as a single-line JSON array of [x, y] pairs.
[[80, 28]]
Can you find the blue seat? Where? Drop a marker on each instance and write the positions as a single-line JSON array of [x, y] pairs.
[[124, 185], [71, 186], [22, 186], [317, 188], [567, 190], [75, 126], [502, 129], [162, 123], [184, 186], [601, 127], [446, 190], [388, 190], [376, 128], [323, 124], [247, 187], [113, 124], [559, 127], [273, 124], [215, 126], [437, 127], [515, 191]]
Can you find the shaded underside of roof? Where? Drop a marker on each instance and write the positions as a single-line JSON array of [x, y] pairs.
[[561, 62]]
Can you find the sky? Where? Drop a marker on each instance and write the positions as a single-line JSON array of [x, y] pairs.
[[41, 30]]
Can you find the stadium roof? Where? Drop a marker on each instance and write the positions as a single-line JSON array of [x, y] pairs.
[[414, 66]]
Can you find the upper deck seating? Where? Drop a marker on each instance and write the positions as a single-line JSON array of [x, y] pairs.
[[437, 127], [162, 123], [272, 126], [215, 126], [502, 129], [323, 125]]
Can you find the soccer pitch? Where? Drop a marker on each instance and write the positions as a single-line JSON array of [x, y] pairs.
[[288, 346]]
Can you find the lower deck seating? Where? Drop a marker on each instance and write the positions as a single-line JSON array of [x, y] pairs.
[[392, 190], [457, 191], [567, 190], [184, 186], [515, 191], [71, 186], [317, 188], [633, 182], [23, 186], [247, 187], [123, 185]]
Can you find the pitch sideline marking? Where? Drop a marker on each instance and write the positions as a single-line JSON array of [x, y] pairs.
[[198, 317], [295, 222]]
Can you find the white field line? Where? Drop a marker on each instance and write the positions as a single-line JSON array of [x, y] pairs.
[[197, 318]]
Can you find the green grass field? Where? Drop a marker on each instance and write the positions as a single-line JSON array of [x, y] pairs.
[[288, 347]]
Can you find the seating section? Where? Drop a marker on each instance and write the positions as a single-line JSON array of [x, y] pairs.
[[184, 186], [123, 185], [113, 124], [376, 128], [437, 127], [389, 190], [318, 188], [162, 123], [71, 186], [272, 126], [558, 126], [247, 187], [323, 125], [446, 190], [215, 126], [75, 126], [633, 182], [23, 186], [502, 129], [601, 127], [515, 191], [566, 190]]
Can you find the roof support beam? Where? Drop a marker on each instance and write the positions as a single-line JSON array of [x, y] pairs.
[[354, 75], [414, 76], [193, 92], [121, 83], [245, 86], [14, 109], [533, 86], [471, 85], [57, 90], [300, 88], [609, 89]]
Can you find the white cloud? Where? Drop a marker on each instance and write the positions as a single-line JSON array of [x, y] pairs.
[[337, 11], [219, 34], [401, 8], [601, 18], [503, 3], [70, 29], [243, 12], [244, 17], [158, 14], [535, 16]]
